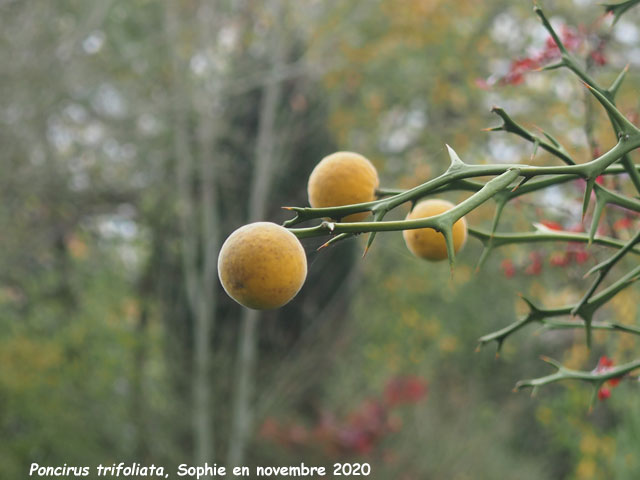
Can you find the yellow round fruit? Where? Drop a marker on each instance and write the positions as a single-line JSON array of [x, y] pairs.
[[343, 178], [427, 243], [262, 265]]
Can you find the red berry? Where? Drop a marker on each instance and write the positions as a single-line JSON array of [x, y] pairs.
[[535, 267], [559, 259], [604, 362], [581, 256], [604, 365], [604, 393], [622, 224], [508, 268]]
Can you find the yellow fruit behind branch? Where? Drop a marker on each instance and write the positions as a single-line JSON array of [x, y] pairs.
[[343, 178], [262, 265], [427, 243]]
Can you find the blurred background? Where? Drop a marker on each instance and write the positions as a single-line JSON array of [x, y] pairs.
[[136, 135]]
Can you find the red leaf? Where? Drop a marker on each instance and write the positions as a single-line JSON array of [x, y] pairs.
[[403, 390], [551, 225]]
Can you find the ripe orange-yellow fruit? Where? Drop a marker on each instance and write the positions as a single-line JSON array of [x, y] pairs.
[[262, 265], [343, 178], [427, 243]]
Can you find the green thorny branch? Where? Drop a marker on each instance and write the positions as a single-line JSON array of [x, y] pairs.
[[618, 9], [511, 181], [595, 378]]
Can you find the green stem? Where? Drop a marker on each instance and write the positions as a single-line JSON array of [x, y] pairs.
[[595, 325], [462, 171], [438, 222], [604, 268], [585, 311], [535, 185], [564, 373], [501, 239]]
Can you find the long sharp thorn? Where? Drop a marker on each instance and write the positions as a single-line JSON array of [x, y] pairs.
[[532, 307], [551, 361], [587, 196], [594, 269], [597, 214], [538, 11], [552, 139], [615, 86], [521, 183], [553, 66], [453, 156], [448, 238], [324, 245], [611, 109], [594, 395], [483, 258], [333, 240], [377, 217], [536, 144], [372, 235], [500, 204], [618, 9]]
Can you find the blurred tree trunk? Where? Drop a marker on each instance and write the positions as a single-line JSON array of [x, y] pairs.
[[140, 352], [260, 187], [208, 129], [199, 242]]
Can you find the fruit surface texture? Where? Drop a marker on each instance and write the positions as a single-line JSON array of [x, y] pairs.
[[427, 243], [343, 178], [262, 265]]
